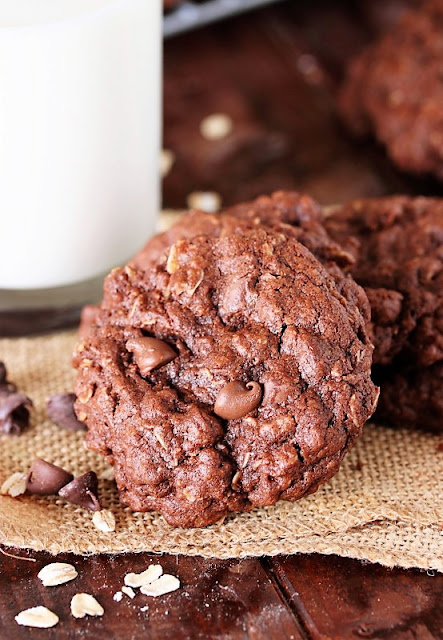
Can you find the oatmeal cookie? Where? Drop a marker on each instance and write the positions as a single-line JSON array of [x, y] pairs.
[[397, 243], [394, 90], [231, 373]]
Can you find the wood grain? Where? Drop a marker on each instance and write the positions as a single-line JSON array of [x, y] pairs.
[[341, 599], [295, 598], [234, 599]]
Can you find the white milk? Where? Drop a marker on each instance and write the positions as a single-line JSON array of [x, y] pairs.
[[79, 136]]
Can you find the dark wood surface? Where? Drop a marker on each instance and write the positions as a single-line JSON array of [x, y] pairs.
[[298, 597], [287, 136]]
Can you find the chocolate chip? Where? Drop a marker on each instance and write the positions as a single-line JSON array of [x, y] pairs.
[[14, 406], [61, 410], [150, 353], [236, 399], [83, 491], [2, 374], [45, 479], [5, 384]]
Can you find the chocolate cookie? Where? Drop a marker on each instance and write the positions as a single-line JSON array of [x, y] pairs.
[[397, 244], [394, 90], [233, 372]]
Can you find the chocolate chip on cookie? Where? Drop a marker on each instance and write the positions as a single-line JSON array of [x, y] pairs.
[[150, 353], [236, 399]]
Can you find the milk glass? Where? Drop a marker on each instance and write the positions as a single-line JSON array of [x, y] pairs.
[[79, 147]]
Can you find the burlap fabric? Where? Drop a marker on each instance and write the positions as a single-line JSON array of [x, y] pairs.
[[385, 505]]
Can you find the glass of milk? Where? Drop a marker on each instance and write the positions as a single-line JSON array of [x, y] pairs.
[[79, 147]]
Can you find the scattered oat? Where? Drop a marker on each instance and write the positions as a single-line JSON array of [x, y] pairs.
[[216, 126], [107, 474], [83, 604], [39, 617], [167, 159], [15, 485], [57, 573], [118, 596], [209, 201], [144, 609], [137, 580], [165, 584], [129, 592], [104, 520]]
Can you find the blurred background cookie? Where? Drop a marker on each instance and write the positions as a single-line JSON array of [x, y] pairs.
[[394, 90]]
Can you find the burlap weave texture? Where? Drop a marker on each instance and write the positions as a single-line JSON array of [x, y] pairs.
[[385, 505]]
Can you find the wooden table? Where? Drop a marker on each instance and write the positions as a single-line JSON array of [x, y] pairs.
[[299, 597], [275, 71]]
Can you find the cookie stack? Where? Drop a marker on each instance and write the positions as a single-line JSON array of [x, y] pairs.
[[229, 365]]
